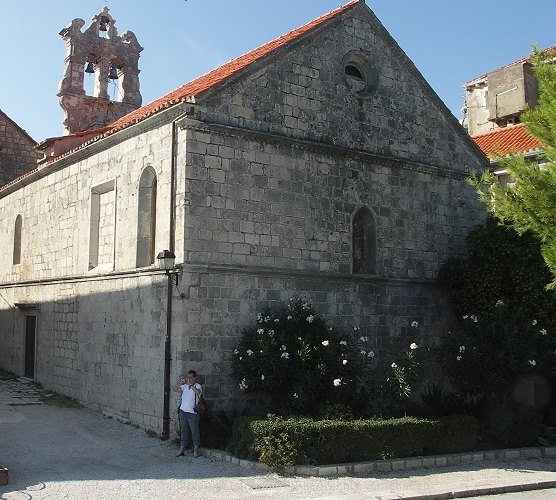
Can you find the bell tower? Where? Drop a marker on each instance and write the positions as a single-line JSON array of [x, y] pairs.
[[112, 62]]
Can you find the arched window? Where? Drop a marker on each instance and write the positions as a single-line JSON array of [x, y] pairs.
[[364, 242], [146, 218], [17, 239]]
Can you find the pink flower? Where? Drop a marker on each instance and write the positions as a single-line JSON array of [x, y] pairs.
[[413, 346], [337, 382]]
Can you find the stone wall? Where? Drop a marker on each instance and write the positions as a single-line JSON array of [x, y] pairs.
[[17, 155]]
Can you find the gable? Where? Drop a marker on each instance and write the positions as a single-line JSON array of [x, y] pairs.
[[304, 90]]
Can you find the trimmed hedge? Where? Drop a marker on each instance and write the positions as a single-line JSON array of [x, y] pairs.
[[316, 442]]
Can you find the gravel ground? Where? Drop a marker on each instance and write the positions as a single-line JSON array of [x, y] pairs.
[[57, 453]]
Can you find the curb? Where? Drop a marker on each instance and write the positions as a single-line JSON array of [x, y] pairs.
[[491, 490], [403, 465]]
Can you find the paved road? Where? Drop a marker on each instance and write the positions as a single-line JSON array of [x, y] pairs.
[[57, 453]]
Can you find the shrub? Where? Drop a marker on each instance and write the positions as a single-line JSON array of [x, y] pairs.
[[505, 320], [284, 442], [483, 357], [514, 428], [293, 355]]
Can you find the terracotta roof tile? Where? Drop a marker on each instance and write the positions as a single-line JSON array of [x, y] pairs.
[[218, 75], [511, 139]]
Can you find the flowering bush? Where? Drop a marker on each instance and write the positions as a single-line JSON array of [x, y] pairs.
[[293, 356], [405, 370], [483, 357]]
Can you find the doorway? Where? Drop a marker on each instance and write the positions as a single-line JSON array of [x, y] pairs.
[[30, 339]]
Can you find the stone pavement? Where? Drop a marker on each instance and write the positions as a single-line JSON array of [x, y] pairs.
[[55, 452]]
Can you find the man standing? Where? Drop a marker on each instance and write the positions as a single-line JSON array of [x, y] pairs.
[[189, 420]]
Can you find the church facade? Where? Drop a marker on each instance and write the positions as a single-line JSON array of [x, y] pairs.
[[319, 165]]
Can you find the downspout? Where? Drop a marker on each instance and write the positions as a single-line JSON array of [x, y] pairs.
[[171, 247]]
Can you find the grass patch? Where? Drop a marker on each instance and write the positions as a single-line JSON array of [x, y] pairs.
[[5, 375], [55, 399]]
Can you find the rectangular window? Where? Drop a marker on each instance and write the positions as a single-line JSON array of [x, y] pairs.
[[102, 226]]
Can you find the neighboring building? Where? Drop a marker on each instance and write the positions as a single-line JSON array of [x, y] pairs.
[[320, 164], [493, 107], [17, 150]]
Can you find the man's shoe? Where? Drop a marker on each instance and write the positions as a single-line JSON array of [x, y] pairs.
[[182, 451], [196, 452]]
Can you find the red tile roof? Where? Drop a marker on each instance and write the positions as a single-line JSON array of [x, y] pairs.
[[511, 139], [218, 75]]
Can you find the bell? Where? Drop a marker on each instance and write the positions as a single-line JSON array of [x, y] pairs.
[[102, 24], [113, 73], [90, 68]]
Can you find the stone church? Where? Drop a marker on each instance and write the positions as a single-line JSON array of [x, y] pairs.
[[319, 165]]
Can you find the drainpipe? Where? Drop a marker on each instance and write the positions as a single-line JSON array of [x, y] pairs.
[[171, 247]]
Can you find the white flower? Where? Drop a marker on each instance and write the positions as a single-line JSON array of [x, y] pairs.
[[325, 343], [345, 362], [337, 382], [283, 347], [543, 331], [534, 322], [474, 318], [363, 339], [289, 317], [299, 338], [262, 377], [310, 318], [276, 320], [413, 346], [305, 306], [532, 362], [285, 355], [394, 365], [343, 342], [414, 324], [458, 358], [259, 317], [356, 328], [260, 331], [371, 354], [295, 395], [462, 348], [466, 316], [249, 352], [236, 351], [240, 358], [364, 353], [271, 332], [267, 319], [243, 385], [498, 303]]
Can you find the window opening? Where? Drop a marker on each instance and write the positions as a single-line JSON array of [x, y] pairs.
[[364, 242], [17, 240]]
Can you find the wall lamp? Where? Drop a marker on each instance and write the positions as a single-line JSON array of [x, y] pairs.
[[166, 262]]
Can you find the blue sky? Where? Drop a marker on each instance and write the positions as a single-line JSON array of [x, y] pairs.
[[449, 41]]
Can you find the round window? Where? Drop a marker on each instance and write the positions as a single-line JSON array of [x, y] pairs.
[[358, 74]]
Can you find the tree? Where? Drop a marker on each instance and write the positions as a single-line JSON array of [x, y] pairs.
[[528, 204]]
